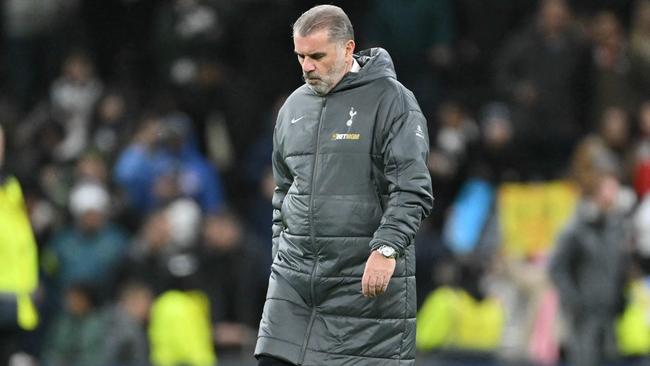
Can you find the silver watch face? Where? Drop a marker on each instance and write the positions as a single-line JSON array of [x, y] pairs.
[[386, 251]]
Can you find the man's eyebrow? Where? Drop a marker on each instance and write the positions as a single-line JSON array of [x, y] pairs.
[[315, 55]]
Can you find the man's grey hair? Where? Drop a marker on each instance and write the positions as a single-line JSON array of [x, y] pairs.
[[325, 17]]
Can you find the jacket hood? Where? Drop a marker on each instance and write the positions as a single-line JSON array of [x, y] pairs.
[[375, 64]]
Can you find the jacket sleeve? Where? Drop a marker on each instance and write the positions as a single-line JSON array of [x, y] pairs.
[[560, 268], [283, 180], [211, 194], [134, 173], [404, 151]]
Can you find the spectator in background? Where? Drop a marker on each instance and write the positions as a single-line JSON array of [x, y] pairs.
[[430, 254], [588, 270], [640, 49], [252, 28], [181, 313], [642, 143], [125, 339], [111, 125], [166, 240], [91, 167], [187, 37], [641, 177], [482, 28], [179, 330], [419, 36], [233, 276], [496, 159], [90, 249], [35, 36], [586, 9], [77, 335], [611, 65], [73, 96], [602, 151], [150, 252], [188, 40], [456, 136], [451, 148], [184, 217], [118, 34], [540, 73], [55, 180], [642, 233], [36, 140], [164, 158], [641, 152]]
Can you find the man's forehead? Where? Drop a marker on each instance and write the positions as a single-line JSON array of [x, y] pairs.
[[314, 42]]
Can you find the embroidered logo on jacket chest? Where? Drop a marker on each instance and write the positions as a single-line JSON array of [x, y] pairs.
[[348, 135]]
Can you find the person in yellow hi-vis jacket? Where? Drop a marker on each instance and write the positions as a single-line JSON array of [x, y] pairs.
[[18, 263], [180, 330], [453, 321]]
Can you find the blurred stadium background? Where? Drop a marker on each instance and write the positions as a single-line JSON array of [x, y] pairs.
[[140, 132]]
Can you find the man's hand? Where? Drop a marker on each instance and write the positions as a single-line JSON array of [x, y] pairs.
[[378, 272]]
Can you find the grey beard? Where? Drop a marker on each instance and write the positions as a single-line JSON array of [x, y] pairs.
[[319, 89]]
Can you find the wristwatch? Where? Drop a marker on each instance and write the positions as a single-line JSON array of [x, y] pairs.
[[387, 251]]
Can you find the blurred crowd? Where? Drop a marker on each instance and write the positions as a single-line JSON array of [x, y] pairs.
[[141, 132]]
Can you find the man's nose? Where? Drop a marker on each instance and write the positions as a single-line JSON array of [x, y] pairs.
[[308, 65]]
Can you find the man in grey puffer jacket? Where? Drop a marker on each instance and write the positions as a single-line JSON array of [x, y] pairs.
[[588, 270], [349, 161]]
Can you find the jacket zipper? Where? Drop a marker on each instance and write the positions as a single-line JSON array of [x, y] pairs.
[[313, 235]]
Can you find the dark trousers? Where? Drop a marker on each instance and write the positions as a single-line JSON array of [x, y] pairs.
[[592, 341], [9, 330], [270, 361], [7, 346]]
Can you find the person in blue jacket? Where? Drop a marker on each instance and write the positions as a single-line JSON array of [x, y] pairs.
[[163, 162]]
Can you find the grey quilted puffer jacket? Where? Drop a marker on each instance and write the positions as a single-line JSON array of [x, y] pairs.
[[351, 175]]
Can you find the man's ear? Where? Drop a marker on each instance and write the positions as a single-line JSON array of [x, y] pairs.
[[349, 48]]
